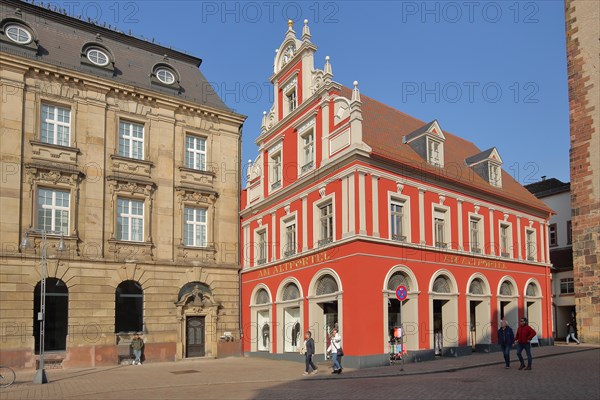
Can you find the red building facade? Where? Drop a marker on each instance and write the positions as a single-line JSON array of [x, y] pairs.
[[349, 199]]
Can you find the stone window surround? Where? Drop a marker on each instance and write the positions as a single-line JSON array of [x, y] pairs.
[[192, 197], [136, 119]]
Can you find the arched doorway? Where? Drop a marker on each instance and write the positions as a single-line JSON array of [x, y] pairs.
[[407, 315], [197, 314], [129, 307], [260, 315], [325, 304], [508, 302], [289, 312], [533, 306], [478, 312], [444, 313], [56, 318]]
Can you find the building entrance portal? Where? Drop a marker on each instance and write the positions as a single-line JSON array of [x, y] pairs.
[[195, 337]]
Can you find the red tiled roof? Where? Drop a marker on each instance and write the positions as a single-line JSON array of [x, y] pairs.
[[383, 130]]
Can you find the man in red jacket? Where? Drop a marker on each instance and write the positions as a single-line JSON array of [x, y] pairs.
[[523, 338]]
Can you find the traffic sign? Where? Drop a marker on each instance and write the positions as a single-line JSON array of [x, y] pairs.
[[401, 293]]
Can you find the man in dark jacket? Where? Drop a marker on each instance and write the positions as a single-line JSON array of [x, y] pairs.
[[523, 338], [506, 337], [309, 347]]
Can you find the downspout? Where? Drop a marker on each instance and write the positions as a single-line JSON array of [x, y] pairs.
[[239, 249]]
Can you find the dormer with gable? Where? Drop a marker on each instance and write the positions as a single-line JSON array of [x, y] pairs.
[[488, 165], [428, 142]]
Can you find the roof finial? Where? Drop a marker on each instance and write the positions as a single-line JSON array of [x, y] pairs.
[[305, 31], [290, 24], [327, 66], [355, 92]]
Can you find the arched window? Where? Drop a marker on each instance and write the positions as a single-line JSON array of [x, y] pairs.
[[441, 285], [290, 292], [531, 290], [398, 279], [129, 307], [326, 285], [57, 315], [506, 289], [476, 287], [262, 297], [18, 33]]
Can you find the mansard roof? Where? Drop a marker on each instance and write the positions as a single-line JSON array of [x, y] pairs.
[[61, 39], [384, 129]]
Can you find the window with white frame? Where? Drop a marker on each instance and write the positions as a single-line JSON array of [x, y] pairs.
[[130, 220], [261, 247], [195, 152], [131, 140], [290, 241], [530, 247], [397, 220], [505, 239], [495, 174], [434, 152], [194, 231], [567, 286], [325, 223], [476, 234], [53, 209], [308, 150], [440, 228], [291, 100], [56, 125], [18, 33], [276, 167]]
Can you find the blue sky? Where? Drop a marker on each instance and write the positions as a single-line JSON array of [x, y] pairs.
[[492, 72]]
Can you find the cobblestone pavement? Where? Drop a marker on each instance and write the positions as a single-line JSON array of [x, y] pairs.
[[559, 372]]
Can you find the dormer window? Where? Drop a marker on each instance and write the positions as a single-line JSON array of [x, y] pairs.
[[18, 34], [495, 174], [97, 57], [165, 76], [433, 152]]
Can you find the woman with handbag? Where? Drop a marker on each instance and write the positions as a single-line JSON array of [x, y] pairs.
[[335, 348]]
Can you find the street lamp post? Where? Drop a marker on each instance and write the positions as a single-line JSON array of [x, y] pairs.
[[40, 374]]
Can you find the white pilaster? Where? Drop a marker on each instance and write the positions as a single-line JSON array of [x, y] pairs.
[[325, 131], [422, 216], [305, 226], [461, 239], [351, 204], [492, 246], [375, 189], [519, 253], [362, 205], [547, 250], [273, 237], [344, 207]]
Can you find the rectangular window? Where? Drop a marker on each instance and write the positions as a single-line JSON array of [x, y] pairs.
[[433, 150], [131, 140], [495, 175], [276, 170], [53, 210], [130, 220], [553, 235], [439, 223], [290, 239], [530, 245], [505, 240], [567, 286], [474, 226], [308, 151], [194, 233], [56, 125], [397, 221], [195, 152], [261, 241], [291, 100], [569, 233], [326, 224]]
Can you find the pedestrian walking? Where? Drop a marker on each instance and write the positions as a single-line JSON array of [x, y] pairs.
[[309, 351], [137, 344], [335, 348], [523, 338], [506, 338], [572, 329]]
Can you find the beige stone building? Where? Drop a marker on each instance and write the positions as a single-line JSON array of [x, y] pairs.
[[120, 151], [583, 47]]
